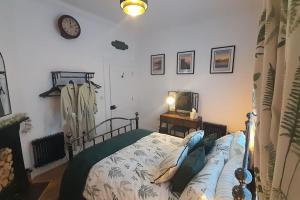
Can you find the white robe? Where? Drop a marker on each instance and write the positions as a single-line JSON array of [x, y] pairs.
[[87, 107], [69, 102]]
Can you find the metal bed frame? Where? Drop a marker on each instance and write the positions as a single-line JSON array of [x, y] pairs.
[[85, 136], [243, 175]]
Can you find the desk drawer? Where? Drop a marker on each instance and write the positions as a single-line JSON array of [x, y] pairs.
[[181, 122], [173, 121], [167, 120]]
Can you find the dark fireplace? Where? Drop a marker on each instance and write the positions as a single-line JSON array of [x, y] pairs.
[[13, 179]]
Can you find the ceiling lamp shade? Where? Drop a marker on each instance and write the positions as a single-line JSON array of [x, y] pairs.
[[134, 7]]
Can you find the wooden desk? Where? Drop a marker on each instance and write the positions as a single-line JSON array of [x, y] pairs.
[[180, 121]]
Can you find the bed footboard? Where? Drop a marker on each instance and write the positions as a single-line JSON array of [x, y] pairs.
[[84, 139]]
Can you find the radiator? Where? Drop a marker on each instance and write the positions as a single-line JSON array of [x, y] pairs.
[[48, 149]]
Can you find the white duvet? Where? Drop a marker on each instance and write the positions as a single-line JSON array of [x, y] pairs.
[[127, 173]]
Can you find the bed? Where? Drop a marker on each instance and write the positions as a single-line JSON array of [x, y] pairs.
[[125, 166]]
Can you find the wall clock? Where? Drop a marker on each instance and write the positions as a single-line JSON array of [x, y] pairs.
[[69, 27]]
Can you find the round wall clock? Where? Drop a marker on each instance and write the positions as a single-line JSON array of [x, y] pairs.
[[69, 27]]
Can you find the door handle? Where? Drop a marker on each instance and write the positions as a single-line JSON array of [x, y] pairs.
[[113, 107]]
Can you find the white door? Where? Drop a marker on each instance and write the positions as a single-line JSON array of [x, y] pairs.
[[120, 90]]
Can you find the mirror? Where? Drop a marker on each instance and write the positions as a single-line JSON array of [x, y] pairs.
[[5, 108]]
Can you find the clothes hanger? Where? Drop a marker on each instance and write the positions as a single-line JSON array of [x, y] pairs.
[[73, 84], [55, 89], [96, 85]]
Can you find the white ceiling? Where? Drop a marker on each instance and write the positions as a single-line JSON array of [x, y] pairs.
[[162, 13]]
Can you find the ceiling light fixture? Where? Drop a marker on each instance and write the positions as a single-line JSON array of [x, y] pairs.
[[134, 7]]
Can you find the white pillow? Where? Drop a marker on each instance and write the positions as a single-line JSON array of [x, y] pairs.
[[222, 145], [193, 138], [227, 179], [169, 166], [203, 185], [238, 145]]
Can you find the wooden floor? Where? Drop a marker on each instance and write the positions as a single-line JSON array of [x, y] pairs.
[[54, 177]]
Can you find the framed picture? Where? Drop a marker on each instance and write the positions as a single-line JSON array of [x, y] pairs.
[[5, 108], [222, 60], [186, 62], [158, 64]]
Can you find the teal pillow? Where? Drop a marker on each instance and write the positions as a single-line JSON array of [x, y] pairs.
[[207, 142], [191, 166]]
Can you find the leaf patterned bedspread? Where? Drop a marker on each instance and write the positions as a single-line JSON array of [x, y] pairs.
[[126, 174]]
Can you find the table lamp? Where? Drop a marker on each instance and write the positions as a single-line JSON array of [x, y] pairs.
[[171, 102]]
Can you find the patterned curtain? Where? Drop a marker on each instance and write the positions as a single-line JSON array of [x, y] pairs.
[[277, 101]]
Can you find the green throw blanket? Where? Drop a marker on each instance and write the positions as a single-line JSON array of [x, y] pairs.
[[75, 176]]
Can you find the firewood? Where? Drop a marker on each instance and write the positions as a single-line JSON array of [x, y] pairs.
[[6, 173], [9, 158], [6, 166], [4, 183], [10, 163], [2, 156], [4, 152], [11, 177]]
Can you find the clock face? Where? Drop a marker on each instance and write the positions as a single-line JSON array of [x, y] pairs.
[[69, 27]]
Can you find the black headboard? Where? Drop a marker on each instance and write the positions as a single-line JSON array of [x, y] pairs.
[[210, 128]]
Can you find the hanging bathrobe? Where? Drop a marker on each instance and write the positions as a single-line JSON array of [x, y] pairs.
[[87, 107], [69, 102]]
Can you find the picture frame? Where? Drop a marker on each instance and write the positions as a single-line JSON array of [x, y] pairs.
[[158, 64], [5, 106], [186, 62], [222, 60]]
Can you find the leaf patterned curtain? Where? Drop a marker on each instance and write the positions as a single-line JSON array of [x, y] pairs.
[[277, 101]]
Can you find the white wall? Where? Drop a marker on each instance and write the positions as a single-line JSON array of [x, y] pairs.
[[224, 98], [32, 47]]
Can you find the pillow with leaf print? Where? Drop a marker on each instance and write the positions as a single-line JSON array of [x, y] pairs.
[[227, 179], [193, 139], [168, 167], [222, 145], [238, 144], [203, 185]]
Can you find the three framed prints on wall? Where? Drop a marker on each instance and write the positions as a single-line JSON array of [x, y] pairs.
[[221, 61]]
